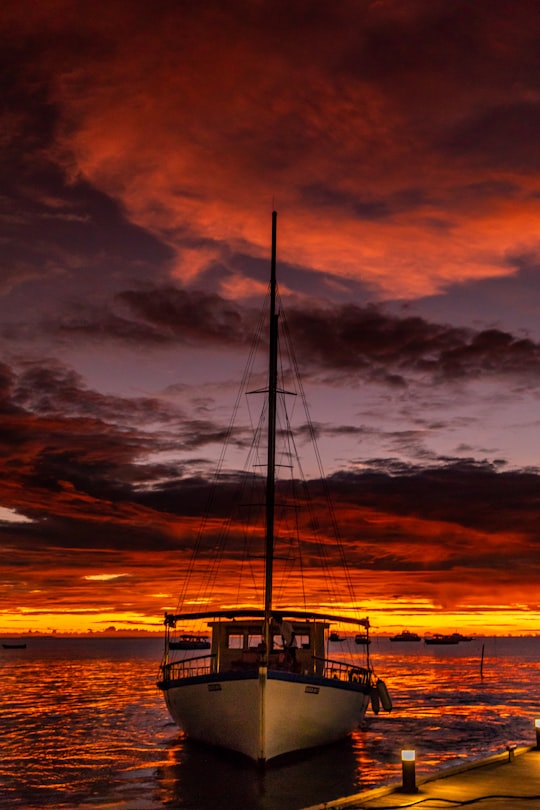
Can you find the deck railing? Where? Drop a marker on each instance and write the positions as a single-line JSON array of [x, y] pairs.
[[204, 665], [345, 672], [188, 668]]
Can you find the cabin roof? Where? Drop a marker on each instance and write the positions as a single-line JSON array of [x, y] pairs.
[[234, 614]]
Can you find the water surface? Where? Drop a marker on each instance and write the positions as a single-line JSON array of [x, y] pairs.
[[84, 726]]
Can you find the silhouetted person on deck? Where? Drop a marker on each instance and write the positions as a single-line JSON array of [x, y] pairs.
[[288, 637]]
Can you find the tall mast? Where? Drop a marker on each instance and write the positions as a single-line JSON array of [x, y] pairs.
[[271, 458]]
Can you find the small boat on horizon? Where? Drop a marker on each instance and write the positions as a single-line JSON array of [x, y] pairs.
[[14, 646], [362, 638], [406, 635], [185, 641], [440, 638], [446, 638]]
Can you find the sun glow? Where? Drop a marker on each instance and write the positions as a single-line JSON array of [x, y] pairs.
[[25, 621], [387, 617], [12, 516]]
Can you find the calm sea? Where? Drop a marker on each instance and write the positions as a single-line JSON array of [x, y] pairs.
[[84, 726]]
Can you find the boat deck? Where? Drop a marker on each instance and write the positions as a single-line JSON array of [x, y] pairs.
[[250, 661]]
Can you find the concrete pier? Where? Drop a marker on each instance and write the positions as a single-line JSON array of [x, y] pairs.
[[506, 781]]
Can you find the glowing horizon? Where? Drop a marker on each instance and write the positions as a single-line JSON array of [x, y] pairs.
[[385, 618]]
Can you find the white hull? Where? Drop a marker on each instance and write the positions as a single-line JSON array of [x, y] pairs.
[[265, 717]]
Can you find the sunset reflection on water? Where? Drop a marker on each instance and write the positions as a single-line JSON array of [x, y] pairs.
[[82, 722]]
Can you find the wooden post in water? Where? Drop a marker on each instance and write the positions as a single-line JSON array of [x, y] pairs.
[[482, 664]]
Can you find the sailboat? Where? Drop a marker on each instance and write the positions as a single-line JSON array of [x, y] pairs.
[[268, 688]]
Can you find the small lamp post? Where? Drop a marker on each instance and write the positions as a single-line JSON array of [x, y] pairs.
[[537, 727], [408, 769]]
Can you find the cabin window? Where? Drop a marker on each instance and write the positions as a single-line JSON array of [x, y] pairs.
[[301, 640], [255, 640], [235, 641]]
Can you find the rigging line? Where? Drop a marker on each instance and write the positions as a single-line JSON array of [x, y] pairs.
[[281, 521], [301, 562], [289, 455], [213, 488], [324, 483], [314, 519], [225, 533], [252, 481], [250, 577], [326, 489], [296, 512], [316, 528], [245, 501], [299, 544], [294, 453]]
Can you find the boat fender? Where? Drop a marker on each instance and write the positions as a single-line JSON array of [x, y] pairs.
[[375, 701], [384, 695]]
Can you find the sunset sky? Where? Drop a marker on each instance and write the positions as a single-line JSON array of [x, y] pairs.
[[144, 146]]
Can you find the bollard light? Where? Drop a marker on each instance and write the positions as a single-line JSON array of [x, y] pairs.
[[537, 727], [408, 769]]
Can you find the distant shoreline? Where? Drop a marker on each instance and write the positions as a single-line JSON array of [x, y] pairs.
[[157, 634]]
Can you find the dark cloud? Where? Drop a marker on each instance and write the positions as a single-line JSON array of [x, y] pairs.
[[388, 348], [475, 495], [193, 316], [367, 341], [367, 207], [61, 441], [53, 389], [461, 517], [508, 303], [485, 138]]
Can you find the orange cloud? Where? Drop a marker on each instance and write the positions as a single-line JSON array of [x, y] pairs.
[[193, 120]]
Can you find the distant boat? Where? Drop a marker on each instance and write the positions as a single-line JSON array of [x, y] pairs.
[[268, 688], [335, 637], [406, 636], [441, 638], [362, 638], [187, 642], [14, 646]]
